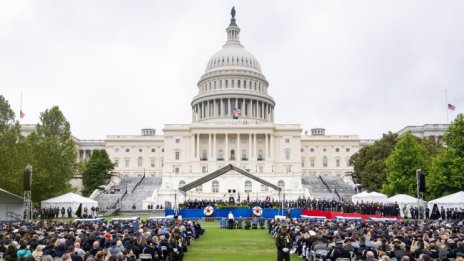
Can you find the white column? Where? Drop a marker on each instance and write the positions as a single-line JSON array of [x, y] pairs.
[[262, 112], [226, 150], [198, 146], [222, 108], [214, 146], [254, 147], [228, 107], [214, 109], [249, 147], [192, 147], [210, 155], [237, 153], [272, 147], [266, 150], [243, 108]]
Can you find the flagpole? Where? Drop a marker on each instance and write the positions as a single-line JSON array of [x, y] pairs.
[[447, 109]]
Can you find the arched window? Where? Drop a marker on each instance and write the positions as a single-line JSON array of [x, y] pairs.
[[232, 154], [325, 161], [281, 184], [199, 188], [139, 162], [244, 155], [204, 154], [248, 186], [215, 186], [260, 154], [264, 187], [181, 183], [220, 154], [287, 154]]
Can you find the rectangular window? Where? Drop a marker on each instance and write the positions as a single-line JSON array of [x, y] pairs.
[[177, 140], [312, 163], [140, 150], [204, 169], [116, 149], [337, 162], [347, 149], [176, 170], [127, 149], [337, 150], [177, 155], [289, 168], [311, 149], [126, 163], [260, 169], [302, 149], [116, 163], [152, 163], [153, 150], [287, 140]]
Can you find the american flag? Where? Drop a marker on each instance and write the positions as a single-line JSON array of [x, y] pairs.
[[451, 107], [236, 111], [21, 114]]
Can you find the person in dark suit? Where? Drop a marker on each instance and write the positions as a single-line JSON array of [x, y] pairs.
[[283, 244], [338, 252]]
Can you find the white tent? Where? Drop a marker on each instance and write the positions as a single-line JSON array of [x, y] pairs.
[[70, 200], [10, 204], [369, 197], [455, 200], [403, 201]]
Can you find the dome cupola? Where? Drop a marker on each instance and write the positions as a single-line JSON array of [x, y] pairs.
[[233, 86]]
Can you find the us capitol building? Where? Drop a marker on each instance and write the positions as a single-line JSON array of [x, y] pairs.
[[232, 123]]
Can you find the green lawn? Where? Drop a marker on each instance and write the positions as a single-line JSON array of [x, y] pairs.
[[234, 245]]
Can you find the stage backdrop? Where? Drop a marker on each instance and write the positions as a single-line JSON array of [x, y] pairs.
[[238, 212]]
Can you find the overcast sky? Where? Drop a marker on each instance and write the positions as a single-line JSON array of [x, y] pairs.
[[351, 67]]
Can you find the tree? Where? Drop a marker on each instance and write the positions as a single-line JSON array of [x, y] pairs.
[[13, 152], [96, 171], [54, 155], [369, 162], [407, 156], [447, 172]]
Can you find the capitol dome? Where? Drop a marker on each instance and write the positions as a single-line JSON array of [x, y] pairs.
[[233, 85]]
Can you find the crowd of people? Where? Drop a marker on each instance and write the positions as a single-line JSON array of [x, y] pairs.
[[129, 240], [368, 240], [69, 212]]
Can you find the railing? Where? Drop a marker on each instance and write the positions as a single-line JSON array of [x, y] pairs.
[[336, 192], [13, 216], [244, 158], [260, 158], [325, 183], [204, 159], [220, 159], [138, 183]]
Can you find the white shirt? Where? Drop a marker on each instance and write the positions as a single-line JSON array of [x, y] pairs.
[[231, 216]]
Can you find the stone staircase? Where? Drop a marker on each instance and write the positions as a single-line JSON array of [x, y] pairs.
[[336, 183], [328, 187], [137, 195]]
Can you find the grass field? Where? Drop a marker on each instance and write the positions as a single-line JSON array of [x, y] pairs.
[[232, 245]]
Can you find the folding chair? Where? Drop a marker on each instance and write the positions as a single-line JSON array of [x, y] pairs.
[[145, 257]]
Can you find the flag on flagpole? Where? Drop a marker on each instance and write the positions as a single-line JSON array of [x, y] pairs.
[[451, 107], [21, 114], [235, 112]]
